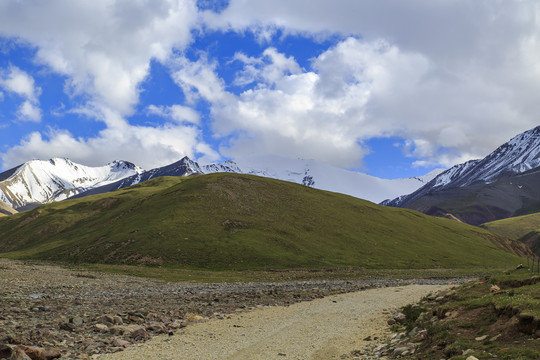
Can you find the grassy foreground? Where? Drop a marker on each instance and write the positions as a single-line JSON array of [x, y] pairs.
[[471, 320], [241, 222]]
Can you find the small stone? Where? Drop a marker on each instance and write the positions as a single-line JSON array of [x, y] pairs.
[[120, 343], [400, 350], [495, 338], [76, 320], [481, 338], [105, 319], [101, 328], [140, 334], [472, 358], [117, 320], [494, 289], [391, 322], [67, 326], [156, 326], [399, 317], [37, 353], [193, 318], [468, 352]]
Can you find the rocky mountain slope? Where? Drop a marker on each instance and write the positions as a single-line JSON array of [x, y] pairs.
[[41, 182], [503, 184]]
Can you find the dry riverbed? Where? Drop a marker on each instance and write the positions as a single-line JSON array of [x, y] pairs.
[[78, 315]]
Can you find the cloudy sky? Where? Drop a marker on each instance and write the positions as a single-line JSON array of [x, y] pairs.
[[388, 87]]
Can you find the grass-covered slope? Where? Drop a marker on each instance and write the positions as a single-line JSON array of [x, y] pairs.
[[515, 227], [525, 229], [226, 221]]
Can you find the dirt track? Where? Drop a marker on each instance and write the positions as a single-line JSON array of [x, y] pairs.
[[326, 328]]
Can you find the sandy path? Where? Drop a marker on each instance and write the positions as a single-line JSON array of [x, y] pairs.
[[320, 329]]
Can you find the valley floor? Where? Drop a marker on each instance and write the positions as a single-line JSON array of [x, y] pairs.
[[335, 327], [77, 314]]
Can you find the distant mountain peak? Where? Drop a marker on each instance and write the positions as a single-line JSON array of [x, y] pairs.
[[44, 181], [519, 155]]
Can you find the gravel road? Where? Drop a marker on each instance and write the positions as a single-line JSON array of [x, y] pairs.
[[80, 314], [326, 328]]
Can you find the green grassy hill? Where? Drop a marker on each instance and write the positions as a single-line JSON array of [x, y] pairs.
[[230, 221], [525, 229], [515, 227]]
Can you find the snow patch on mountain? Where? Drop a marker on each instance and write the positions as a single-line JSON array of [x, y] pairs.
[[44, 181]]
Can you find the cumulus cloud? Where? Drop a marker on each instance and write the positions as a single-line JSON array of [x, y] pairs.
[[16, 81], [312, 114], [103, 47], [443, 73], [149, 147], [178, 113]]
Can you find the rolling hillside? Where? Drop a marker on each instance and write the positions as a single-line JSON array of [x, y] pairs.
[[231, 221], [525, 229]]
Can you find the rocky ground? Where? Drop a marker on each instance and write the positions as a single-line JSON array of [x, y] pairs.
[[53, 312]]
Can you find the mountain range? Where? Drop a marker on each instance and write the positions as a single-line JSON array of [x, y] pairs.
[[44, 181], [501, 185]]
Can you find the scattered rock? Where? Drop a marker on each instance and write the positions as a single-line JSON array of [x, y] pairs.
[[76, 320], [120, 343], [472, 358], [101, 328], [140, 334], [399, 317], [481, 338], [400, 351], [494, 289]]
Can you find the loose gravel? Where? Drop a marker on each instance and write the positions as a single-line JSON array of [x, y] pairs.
[[82, 314]]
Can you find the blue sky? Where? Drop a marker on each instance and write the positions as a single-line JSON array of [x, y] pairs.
[[386, 87]]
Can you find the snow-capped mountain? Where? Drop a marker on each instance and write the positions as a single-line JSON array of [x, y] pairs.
[[44, 181], [517, 156], [307, 172]]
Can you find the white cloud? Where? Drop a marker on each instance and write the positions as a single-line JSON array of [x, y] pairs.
[[434, 72], [104, 47], [29, 112], [178, 113], [269, 68], [149, 147], [19, 82], [312, 114]]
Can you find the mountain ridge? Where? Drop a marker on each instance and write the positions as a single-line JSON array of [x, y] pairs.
[[44, 181], [519, 155], [41, 181], [501, 185]]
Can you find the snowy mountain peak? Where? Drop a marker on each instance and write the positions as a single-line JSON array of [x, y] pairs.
[[43, 181], [518, 155]]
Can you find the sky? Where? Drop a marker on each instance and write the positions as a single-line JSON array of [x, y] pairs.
[[386, 87]]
